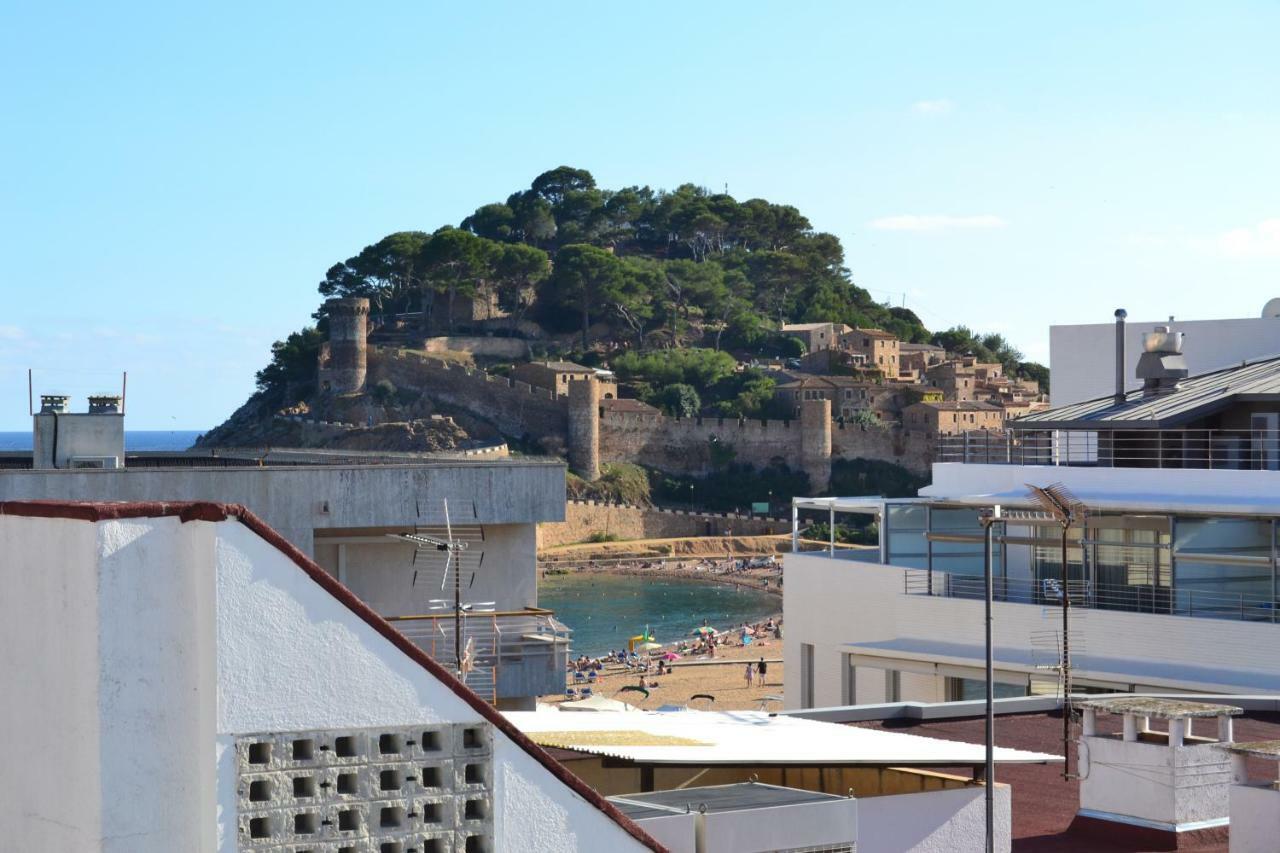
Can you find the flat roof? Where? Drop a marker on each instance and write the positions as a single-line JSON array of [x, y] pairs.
[[1045, 804], [752, 738], [1162, 709], [1256, 748], [722, 798]]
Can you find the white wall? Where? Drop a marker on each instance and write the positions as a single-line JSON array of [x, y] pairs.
[[50, 780], [135, 651], [802, 825], [327, 668], [1082, 357], [834, 603], [932, 822], [1255, 819], [1187, 784]]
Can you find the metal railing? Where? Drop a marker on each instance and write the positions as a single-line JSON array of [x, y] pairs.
[[1132, 598], [1226, 449], [503, 638]]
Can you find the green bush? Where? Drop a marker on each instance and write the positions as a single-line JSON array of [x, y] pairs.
[[874, 477]]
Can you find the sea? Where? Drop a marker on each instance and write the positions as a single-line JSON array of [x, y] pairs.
[[604, 610], [134, 439]]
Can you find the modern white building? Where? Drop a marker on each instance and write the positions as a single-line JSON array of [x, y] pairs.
[[182, 677], [1171, 559]]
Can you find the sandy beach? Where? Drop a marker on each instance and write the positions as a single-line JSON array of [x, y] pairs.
[[723, 677]]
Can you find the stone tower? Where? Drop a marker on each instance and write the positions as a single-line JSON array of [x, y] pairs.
[[584, 428], [815, 443], [348, 343]]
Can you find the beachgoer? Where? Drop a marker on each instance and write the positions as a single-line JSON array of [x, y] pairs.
[[761, 669], [751, 672]]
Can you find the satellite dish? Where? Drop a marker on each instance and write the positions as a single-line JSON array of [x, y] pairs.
[[1271, 309]]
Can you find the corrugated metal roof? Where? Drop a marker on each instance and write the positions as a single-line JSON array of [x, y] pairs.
[[1198, 396]]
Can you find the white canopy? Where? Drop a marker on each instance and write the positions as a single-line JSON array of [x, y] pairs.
[[753, 737], [596, 702]]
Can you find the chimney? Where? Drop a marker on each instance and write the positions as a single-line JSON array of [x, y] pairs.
[[1162, 366], [104, 404], [1120, 315], [53, 404]]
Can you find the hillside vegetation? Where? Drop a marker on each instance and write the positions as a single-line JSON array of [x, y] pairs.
[[676, 278]]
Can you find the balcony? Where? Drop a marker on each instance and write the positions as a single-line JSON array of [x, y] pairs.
[[1221, 449], [1130, 598], [518, 654]]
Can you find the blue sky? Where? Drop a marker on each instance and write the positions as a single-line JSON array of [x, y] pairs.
[[175, 181]]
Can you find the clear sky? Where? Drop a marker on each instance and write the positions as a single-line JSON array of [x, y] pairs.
[[176, 180]]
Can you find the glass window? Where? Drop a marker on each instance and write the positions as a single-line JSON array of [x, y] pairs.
[[905, 531], [1222, 567]]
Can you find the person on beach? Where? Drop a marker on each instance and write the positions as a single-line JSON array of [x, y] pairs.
[[751, 673], [761, 669]]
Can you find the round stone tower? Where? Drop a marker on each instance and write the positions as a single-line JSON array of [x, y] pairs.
[[348, 343], [815, 443], [584, 428]]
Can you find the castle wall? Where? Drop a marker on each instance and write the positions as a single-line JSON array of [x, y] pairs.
[[673, 445], [624, 521], [584, 428], [514, 408]]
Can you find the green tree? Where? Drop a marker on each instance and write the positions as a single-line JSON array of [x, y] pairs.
[[582, 276], [454, 263], [678, 400], [290, 374]]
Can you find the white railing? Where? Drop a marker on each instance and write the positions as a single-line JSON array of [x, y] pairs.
[[1227, 449]]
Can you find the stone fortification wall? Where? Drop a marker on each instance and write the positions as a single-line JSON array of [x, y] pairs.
[[673, 445], [624, 521], [478, 345], [686, 445], [515, 408]]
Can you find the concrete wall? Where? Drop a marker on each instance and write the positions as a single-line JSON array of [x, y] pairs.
[[296, 501], [1255, 819], [623, 521], [108, 628], [1181, 785], [1082, 357], [57, 438], [380, 570], [932, 822], [832, 603]]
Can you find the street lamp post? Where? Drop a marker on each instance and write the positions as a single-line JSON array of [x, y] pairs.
[[988, 519]]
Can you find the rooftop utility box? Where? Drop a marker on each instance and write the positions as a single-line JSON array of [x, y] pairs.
[[1185, 777], [747, 817], [93, 439]]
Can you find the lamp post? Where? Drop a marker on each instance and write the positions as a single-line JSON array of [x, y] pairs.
[[988, 519]]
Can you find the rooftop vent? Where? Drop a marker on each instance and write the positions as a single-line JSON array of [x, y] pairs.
[[53, 404], [1162, 366], [104, 404]]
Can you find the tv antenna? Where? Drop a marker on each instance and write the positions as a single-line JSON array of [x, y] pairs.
[[1068, 511], [449, 550]]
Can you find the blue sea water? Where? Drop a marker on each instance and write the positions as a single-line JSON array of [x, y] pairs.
[[134, 439], [604, 610]]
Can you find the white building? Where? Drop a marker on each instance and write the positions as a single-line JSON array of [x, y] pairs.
[[1171, 570], [343, 509], [181, 677]]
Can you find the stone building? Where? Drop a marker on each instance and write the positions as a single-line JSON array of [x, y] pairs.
[[815, 336], [957, 381], [952, 417], [879, 349], [557, 375], [344, 359]]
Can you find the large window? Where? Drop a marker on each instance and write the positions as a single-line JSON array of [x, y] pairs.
[[1223, 567]]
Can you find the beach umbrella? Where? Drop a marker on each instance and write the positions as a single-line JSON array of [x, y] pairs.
[[704, 631], [649, 647], [671, 656]]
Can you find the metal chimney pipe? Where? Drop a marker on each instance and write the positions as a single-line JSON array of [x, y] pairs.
[[1120, 315]]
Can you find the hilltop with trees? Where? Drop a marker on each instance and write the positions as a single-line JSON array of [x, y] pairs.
[[669, 281]]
